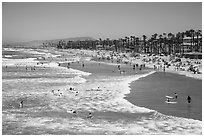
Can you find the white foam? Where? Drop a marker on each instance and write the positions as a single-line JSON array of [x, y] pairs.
[[144, 126], [19, 62], [8, 56], [110, 97], [10, 49]]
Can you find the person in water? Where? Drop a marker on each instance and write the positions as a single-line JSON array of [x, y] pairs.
[[90, 115], [175, 95], [21, 104], [189, 99]]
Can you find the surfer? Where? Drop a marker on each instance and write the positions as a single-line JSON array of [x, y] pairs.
[[189, 99]]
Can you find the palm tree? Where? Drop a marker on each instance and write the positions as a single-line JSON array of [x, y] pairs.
[[148, 47], [192, 34], [160, 43], [178, 43], [188, 34], [134, 44], [198, 34], [132, 47], [154, 43], [182, 41], [144, 43], [170, 35], [137, 44], [121, 44], [164, 41]]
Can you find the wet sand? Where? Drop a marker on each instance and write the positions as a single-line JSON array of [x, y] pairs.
[[150, 92]]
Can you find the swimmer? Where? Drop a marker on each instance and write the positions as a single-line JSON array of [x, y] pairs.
[[60, 94], [74, 112], [175, 95], [189, 99], [90, 115], [98, 89], [21, 104], [118, 67]]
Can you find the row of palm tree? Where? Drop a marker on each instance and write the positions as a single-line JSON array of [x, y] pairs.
[[188, 41]]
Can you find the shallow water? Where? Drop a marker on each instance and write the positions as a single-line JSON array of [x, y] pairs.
[[47, 112], [142, 94]]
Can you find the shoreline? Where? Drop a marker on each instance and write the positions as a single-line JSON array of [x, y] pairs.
[[132, 60], [179, 72]]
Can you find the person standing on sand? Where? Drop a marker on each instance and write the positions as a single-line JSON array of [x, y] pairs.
[[189, 99]]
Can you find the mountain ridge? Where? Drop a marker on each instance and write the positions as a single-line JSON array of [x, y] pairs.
[[40, 42]]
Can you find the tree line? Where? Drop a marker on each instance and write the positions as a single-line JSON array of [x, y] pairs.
[[181, 42]]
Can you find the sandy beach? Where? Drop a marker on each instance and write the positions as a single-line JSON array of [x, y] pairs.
[[59, 92]]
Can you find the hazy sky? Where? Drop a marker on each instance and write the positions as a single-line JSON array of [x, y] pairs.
[[40, 21]]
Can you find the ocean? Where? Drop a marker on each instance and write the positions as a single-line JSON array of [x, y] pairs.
[[51, 106]]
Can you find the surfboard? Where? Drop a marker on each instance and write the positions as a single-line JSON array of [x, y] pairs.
[[170, 102], [170, 97]]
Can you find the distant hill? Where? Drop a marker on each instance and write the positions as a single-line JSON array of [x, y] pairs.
[[37, 43], [68, 39]]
